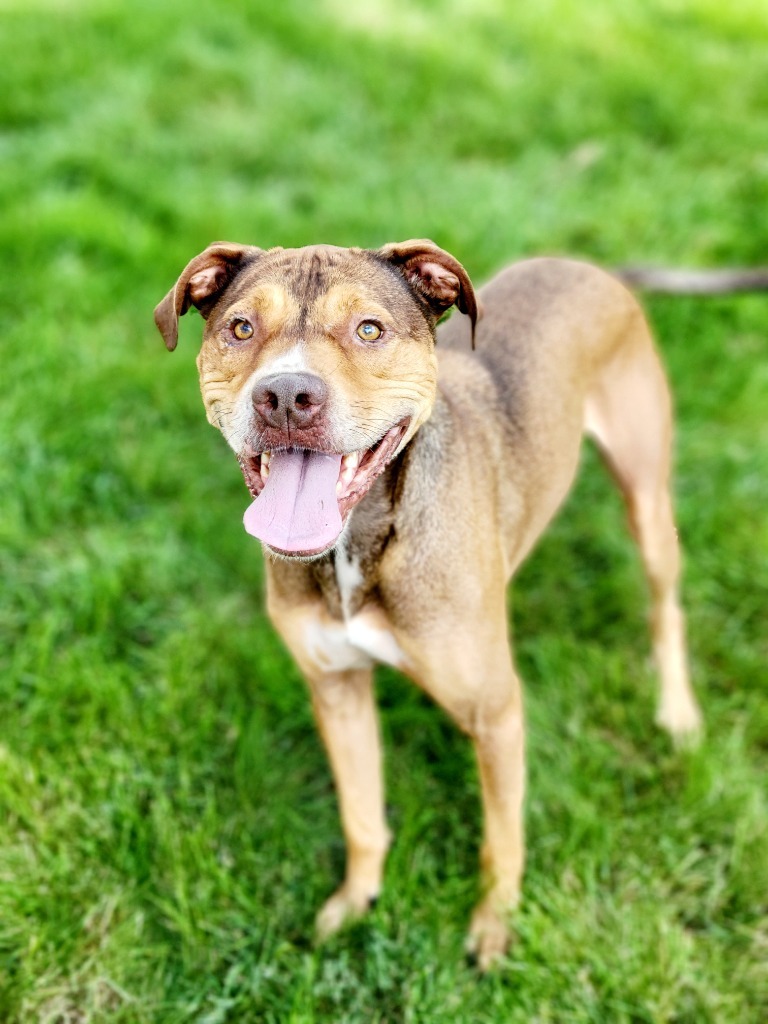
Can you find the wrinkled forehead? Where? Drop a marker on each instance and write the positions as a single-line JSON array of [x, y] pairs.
[[298, 280]]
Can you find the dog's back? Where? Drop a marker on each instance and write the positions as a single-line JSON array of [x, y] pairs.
[[547, 330]]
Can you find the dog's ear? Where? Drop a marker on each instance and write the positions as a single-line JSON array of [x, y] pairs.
[[201, 282], [436, 278]]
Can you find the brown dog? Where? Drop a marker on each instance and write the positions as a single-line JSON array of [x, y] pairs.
[[398, 489]]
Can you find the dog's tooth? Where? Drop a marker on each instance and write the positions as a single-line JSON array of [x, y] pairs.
[[349, 464], [265, 458], [348, 469]]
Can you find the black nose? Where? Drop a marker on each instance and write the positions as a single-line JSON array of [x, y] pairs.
[[289, 398]]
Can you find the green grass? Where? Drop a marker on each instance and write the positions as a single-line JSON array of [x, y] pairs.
[[168, 821]]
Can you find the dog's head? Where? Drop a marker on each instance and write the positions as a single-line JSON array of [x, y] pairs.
[[318, 366]]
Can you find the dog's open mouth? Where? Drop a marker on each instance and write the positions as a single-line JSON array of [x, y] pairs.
[[303, 497]]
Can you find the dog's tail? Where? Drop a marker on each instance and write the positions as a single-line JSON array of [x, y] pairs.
[[694, 282]]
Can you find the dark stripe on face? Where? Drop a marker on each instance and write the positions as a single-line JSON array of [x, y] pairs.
[[311, 279]]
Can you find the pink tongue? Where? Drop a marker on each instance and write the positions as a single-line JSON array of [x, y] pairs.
[[297, 510]]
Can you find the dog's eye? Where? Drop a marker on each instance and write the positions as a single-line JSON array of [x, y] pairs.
[[242, 330], [369, 331]]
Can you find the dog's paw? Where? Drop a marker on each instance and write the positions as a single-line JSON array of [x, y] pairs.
[[343, 908], [683, 721], [489, 936]]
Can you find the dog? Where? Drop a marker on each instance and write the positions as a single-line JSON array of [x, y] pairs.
[[398, 484]]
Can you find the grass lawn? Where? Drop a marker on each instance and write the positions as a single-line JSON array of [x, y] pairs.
[[168, 823]]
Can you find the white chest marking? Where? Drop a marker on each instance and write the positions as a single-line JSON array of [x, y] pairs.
[[344, 646], [329, 648], [348, 577], [365, 634], [360, 639]]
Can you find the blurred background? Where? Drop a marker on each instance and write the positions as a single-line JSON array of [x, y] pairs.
[[168, 821]]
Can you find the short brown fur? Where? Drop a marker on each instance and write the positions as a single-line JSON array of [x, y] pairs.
[[419, 576]]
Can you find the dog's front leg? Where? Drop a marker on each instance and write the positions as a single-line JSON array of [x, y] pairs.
[[473, 679], [340, 679], [346, 715]]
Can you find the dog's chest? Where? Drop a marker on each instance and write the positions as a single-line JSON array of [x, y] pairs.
[[359, 634]]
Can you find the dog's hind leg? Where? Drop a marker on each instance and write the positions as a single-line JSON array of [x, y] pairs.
[[629, 415]]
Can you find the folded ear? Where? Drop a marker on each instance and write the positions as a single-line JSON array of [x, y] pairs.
[[436, 278], [202, 281]]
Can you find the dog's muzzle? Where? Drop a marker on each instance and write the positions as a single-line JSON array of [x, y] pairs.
[[303, 496]]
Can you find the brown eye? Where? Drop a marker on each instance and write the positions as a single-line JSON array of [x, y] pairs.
[[369, 331], [242, 330]]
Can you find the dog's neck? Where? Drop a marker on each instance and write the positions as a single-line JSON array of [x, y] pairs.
[[410, 481]]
